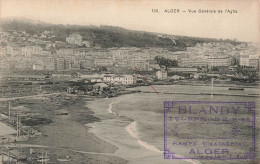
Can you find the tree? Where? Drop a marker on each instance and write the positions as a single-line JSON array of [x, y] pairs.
[[103, 69], [162, 61], [215, 69], [234, 60]]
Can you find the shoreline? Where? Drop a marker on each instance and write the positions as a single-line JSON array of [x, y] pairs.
[[134, 146], [216, 94], [201, 83], [129, 140], [101, 122], [69, 126], [202, 90], [132, 130], [66, 132]]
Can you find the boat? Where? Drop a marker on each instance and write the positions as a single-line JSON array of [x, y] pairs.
[[236, 88], [43, 160], [22, 138], [63, 160], [67, 159]]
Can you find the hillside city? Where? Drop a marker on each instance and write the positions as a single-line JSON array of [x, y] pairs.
[[78, 59], [45, 74]]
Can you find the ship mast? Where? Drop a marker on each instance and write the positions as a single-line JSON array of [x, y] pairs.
[[9, 111], [212, 85], [17, 126]]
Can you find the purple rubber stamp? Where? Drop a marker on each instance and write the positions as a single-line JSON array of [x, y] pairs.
[[209, 130]]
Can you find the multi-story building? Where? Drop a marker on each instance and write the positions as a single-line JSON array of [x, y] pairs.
[[253, 62], [193, 62], [140, 62], [161, 75], [65, 51], [75, 65], [74, 39], [67, 64], [198, 62], [214, 61], [38, 67], [49, 64], [99, 62], [62, 64], [123, 79], [87, 62], [31, 50], [123, 63], [108, 78], [119, 54], [244, 60], [128, 80]]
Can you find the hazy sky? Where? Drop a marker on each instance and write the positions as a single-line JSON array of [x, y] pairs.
[[138, 15]]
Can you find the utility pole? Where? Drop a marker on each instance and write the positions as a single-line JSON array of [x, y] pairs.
[[17, 127], [20, 123], [212, 85], [2, 160], [9, 111], [42, 157], [9, 157], [46, 157]]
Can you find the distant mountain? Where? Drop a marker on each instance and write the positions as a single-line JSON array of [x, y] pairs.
[[21, 20], [105, 36]]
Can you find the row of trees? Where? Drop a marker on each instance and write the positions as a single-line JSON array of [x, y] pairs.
[[164, 62]]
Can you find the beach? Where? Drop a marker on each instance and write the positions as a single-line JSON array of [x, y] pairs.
[[134, 123], [121, 132]]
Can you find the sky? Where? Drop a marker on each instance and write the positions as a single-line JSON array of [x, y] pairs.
[[138, 15]]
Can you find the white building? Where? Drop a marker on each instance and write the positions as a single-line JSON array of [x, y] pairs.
[[31, 50], [103, 62], [119, 54], [86, 43], [109, 78], [161, 75], [74, 39], [214, 61], [244, 60], [123, 79], [38, 67], [98, 80]]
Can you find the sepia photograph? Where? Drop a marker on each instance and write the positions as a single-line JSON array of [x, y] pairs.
[[129, 82]]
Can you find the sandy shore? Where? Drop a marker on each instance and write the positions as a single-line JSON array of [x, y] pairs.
[[123, 133], [117, 127]]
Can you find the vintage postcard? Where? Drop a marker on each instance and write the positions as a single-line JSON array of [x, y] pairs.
[[129, 81]]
